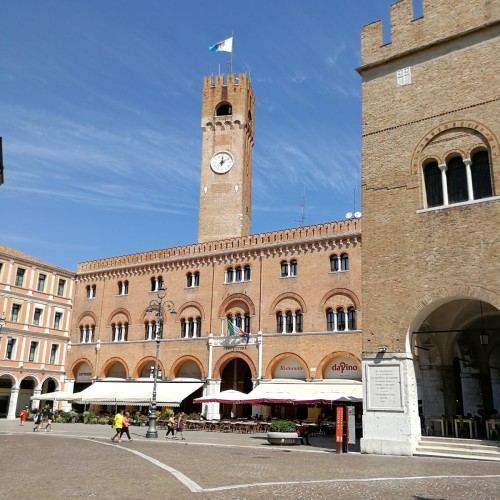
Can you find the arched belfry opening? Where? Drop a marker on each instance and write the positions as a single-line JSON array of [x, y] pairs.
[[456, 352], [224, 109]]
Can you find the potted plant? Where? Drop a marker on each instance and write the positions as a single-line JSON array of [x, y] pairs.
[[283, 432]]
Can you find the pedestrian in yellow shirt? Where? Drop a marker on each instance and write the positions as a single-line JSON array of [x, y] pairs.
[[118, 423]]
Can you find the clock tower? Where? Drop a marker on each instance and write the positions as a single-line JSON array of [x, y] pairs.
[[226, 157]]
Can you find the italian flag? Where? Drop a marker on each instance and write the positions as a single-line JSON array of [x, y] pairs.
[[236, 330]]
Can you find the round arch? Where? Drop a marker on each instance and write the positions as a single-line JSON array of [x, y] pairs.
[[182, 360], [73, 370], [226, 303], [116, 312], [471, 126], [330, 357], [109, 363], [136, 373], [230, 356], [87, 314], [339, 291], [193, 304], [288, 296], [280, 357]]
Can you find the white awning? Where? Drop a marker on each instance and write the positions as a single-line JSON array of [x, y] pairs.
[[54, 396], [138, 392], [295, 391]]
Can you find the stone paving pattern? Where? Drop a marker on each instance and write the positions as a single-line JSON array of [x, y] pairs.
[[80, 461]]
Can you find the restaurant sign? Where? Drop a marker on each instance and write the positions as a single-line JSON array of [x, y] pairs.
[[343, 367], [84, 373], [289, 368]]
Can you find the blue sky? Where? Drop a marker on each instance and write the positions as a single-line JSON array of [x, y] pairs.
[[100, 113]]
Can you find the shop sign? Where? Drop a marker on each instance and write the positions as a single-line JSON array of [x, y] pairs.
[[289, 368], [343, 367], [84, 373]]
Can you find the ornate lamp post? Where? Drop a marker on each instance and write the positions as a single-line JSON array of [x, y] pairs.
[[156, 307]]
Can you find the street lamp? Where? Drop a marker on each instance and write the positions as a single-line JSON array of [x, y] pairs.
[[157, 305]]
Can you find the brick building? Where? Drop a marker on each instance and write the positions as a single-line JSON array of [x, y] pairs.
[[35, 303], [297, 291], [430, 184]]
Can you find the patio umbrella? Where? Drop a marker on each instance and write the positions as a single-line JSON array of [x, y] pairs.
[[326, 397], [269, 397], [228, 397]]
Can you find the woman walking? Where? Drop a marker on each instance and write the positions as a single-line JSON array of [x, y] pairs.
[[125, 426], [180, 425], [171, 424]]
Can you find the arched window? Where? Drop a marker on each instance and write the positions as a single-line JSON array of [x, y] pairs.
[[156, 284], [248, 273], [279, 322], [481, 177], [229, 275], [289, 322], [351, 318], [183, 328], [239, 274], [457, 180], [334, 263], [193, 279], [330, 320], [91, 291], [119, 332], [433, 184], [149, 330], [340, 319], [122, 287], [87, 334], [344, 262], [288, 269], [284, 269], [298, 321], [452, 183]]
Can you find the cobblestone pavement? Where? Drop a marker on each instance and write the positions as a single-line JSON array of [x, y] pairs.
[[80, 461]]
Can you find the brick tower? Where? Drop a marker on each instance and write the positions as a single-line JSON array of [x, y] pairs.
[[226, 157], [430, 186]]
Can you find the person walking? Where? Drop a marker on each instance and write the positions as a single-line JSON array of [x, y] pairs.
[[23, 415], [50, 418], [171, 425], [125, 426], [117, 424], [180, 425], [38, 420]]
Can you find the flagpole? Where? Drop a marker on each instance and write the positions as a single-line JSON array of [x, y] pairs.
[[232, 49]]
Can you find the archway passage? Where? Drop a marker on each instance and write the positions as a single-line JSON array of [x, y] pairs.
[[236, 375], [457, 365]]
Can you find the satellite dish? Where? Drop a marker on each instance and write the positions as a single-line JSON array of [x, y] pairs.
[[357, 215], [348, 215]]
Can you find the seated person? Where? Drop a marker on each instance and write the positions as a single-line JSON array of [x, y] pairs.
[[302, 433]]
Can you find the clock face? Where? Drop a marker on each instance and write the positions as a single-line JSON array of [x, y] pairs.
[[221, 162]]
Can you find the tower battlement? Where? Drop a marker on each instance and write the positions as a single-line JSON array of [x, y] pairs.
[[441, 20]]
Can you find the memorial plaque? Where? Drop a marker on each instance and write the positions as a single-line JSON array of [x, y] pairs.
[[384, 387]]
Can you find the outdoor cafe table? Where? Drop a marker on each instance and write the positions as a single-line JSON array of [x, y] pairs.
[[492, 425], [442, 421], [461, 422]]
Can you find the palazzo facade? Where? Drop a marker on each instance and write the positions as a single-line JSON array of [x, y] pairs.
[[297, 291]]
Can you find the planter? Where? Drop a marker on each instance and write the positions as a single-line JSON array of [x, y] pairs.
[[283, 438]]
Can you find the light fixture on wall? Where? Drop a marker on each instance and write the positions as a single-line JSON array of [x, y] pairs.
[[382, 348], [2, 324], [484, 336]]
